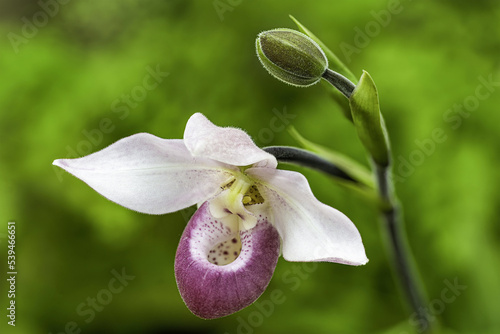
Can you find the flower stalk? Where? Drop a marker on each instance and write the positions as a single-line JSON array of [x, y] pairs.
[[344, 85], [305, 158], [398, 248], [364, 112]]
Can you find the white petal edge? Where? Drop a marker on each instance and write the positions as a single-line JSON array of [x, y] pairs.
[[149, 174], [310, 230], [228, 145]]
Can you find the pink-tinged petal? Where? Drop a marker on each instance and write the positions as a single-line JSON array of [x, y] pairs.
[[310, 230], [228, 145], [213, 290], [149, 174]]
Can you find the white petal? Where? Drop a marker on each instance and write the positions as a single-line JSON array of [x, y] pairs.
[[149, 174], [229, 145], [311, 230]]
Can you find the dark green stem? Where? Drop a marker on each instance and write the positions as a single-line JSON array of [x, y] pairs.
[[344, 85], [305, 158], [401, 255], [393, 228], [393, 225]]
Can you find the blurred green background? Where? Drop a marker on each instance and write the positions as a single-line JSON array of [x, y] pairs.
[[72, 82]]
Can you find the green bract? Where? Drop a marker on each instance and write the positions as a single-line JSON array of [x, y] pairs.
[[291, 56], [368, 120]]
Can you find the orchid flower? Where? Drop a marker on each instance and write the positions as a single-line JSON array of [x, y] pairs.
[[248, 213]]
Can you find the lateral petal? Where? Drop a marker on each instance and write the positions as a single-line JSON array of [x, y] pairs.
[[149, 174], [228, 145], [209, 285], [310, 230]]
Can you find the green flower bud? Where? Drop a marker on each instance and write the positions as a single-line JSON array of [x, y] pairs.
[[291, 56]]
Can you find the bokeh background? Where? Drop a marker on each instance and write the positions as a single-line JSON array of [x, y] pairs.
[[72, 82]]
